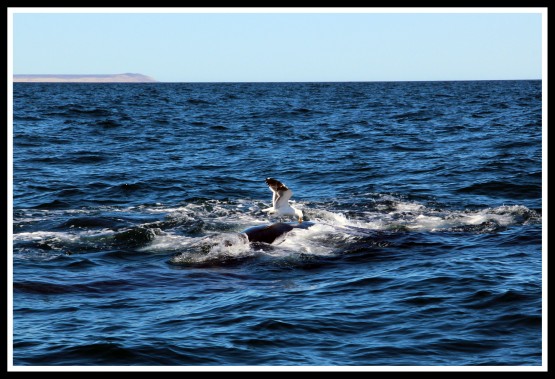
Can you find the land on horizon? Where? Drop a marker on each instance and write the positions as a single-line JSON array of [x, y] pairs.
[[112, 78]]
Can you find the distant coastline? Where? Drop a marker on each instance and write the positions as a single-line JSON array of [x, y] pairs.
[[115, 78]]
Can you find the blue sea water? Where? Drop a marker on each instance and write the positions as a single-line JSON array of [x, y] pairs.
[[129, 201]]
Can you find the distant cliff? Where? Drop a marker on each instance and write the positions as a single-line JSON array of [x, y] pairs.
[[117, 78]]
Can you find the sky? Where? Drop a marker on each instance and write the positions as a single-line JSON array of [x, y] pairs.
[[267, 47]]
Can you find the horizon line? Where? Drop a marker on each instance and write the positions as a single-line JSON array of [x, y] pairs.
[[275, 81]]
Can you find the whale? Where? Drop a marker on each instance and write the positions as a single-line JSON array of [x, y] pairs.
[[269, 233]]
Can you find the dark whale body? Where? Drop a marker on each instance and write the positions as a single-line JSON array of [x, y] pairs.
[[269, 233]]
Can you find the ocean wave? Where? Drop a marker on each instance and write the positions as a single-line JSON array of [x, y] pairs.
[[130, 202], [77, 111], [50, 288], [109, 123], [504, 188], [54, 204], [194, 101], [210, 231], [91, 222]]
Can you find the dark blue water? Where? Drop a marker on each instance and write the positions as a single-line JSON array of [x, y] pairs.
[[129, 200]]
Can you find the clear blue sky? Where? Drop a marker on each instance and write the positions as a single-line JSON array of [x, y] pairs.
[[186, 47]]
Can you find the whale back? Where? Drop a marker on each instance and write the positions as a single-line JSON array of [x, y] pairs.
[[269, 233]]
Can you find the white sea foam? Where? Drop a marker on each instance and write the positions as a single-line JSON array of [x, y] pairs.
[[414, 216], [216, 248], [168, 242], [319, 240], [324, 216], [408, 207], [46, 235], [211, 231], [333, 230]]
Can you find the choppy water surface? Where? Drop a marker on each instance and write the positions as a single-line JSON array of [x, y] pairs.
[[129, 201]]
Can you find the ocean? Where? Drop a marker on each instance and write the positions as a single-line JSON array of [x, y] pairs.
[[129, 203]]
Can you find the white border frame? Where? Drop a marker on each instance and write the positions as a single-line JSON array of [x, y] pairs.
[[13, 10]]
